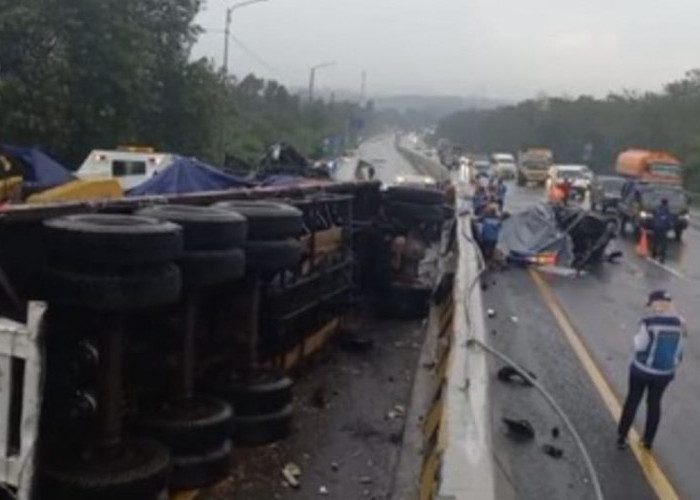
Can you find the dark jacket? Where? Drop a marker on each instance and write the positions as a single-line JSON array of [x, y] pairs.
[[662, 218], [490, 228]]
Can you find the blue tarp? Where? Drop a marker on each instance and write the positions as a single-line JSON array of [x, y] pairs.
[[188, 175], [40, 171]]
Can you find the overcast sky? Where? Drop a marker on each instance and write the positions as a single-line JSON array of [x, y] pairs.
[[495, 48]]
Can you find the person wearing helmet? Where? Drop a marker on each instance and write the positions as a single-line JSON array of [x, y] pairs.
[[658, 351]]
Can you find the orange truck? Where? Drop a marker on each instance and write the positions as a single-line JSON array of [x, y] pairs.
[[651, 166]]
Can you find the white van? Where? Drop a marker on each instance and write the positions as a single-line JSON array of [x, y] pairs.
[[129, 165], [503, 164]]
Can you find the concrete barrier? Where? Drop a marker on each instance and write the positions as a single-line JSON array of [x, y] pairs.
[[457, 446], [423, 165]]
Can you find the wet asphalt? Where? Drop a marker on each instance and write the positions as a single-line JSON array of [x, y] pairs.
[[604, 307]]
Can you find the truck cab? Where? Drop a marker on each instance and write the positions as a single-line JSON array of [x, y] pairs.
[[533, 166], [652, 166], [640, 199]]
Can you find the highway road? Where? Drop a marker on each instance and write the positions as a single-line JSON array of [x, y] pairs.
[[576, 334], [382, 154]]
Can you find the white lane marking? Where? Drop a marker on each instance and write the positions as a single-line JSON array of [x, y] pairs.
[[668, 269]]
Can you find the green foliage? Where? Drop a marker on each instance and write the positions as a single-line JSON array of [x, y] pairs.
[[82, 74], [668, 120]]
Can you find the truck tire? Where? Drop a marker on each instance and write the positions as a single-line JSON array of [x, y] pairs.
[[194, 471], [139, 472], [204, 228], [113, 240], [187, 426], [206, 268], [134, 289], [263, 429], [416, 195], [261, 392], [272, 256], [267, 220]]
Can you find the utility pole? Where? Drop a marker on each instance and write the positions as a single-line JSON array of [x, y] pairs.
[[227, 28], [312, 77], [363, 88], [227, 35]]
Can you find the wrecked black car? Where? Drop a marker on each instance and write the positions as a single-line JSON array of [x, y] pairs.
[[578, 237]]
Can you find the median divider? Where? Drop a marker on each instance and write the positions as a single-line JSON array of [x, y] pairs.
[[451, 389], [423, 165]]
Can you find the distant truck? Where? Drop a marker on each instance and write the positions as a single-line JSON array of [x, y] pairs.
[[533, 166], [650, 166]]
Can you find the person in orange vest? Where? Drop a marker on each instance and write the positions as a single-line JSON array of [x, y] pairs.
[[557, 194]]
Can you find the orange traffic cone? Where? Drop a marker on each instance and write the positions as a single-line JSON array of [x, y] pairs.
[[643, 244]]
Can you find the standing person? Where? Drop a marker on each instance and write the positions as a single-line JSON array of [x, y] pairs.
[[490, 229], [501, 190], [481, 200], [661, 225], [658, 350]]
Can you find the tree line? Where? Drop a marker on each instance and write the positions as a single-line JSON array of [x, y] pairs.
[[82, 74], [591, 130]]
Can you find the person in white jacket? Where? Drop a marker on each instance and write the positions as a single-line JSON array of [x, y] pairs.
[[658, 350]]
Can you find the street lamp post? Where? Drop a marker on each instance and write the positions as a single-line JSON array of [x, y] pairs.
[[312, 77], [227, 30]]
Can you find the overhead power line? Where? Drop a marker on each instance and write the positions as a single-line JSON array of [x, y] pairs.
[[254, 55]]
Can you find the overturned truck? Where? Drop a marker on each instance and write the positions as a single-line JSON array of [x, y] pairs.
[[143, 337]]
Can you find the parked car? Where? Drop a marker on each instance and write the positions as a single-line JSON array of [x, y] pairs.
[[578, 175], [606, 192], [639, 199]]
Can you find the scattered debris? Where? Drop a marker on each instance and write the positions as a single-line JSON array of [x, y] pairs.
[[491, 313], [429, 365], [291, 473], [613, 256], [510, 375], [400, 410], [356, 343], [365, 480], [318, 397], [519, 429], [553, 451], [323, 490], [514, 319], [395, 438], [335, 466], [555, 432]]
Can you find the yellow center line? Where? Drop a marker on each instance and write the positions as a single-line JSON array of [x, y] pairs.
[[656, 477]]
